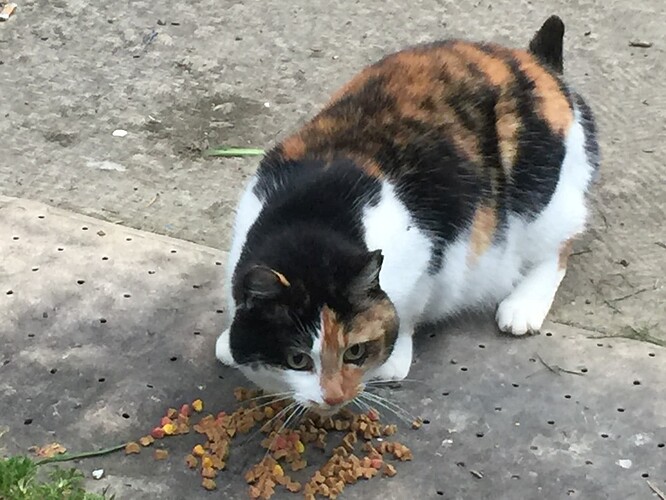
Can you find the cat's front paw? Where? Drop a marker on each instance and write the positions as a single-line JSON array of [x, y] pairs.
[[519, 316], [223, 349]]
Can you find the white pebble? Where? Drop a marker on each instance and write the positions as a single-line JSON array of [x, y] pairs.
[[98, 473], [624, 463], [119, 133]]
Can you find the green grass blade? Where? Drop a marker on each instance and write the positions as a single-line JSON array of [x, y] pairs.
[[230, 152]]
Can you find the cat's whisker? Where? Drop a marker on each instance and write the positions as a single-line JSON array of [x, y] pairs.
[[277, 415], [273, 401], [374, 383], [391, 403], [389, 406], [264, 396], [296, 407], [362, 405]]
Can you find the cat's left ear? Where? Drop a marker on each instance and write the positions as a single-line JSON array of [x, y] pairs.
[[261, 283], [368, 276]]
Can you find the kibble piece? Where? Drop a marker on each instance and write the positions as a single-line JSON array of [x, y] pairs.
[[389, 470], [185, 410], [146, 440], [208, 472], [209, 484], [169, 429], [160, 454], [132, 448], [198, 451], [191, 461], [172, 413], [416, 424], [197, 405], [157, 433]]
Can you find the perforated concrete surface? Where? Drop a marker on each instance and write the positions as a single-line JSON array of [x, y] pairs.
[[103, 328]]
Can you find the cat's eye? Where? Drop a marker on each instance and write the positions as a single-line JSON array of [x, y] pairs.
[[355, 354], [299, 361]]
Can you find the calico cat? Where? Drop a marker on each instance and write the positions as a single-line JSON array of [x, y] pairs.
[[446, 177]]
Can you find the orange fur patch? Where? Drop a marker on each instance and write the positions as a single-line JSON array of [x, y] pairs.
[[565, 252], [553, 105], [293, 147], [484, 225]]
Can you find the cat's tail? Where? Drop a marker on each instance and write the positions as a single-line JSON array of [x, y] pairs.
[[546, 44]]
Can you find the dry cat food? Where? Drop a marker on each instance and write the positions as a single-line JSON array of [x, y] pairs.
[[361, 453]]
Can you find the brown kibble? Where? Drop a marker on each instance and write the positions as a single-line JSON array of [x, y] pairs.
[[293, 486], [208, 472], [416, 424], [191, 461], [132, 448], [389, 470], [160, 454], [171, 413], [146, 440], [209, 484]]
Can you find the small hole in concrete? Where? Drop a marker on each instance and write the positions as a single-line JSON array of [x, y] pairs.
[[173, 358], [661, 445], [482, 346], [600, 345], [534, 447], [128, 239], [221, 377], [126, 295], [604, 435], [27, 421], [105, 258], [479, 434], [432, 335], [621, 410], [53, 371], [463, 368], [151, 272], [34, 269], [125, 415], [60, 249], [440, 493], [84, 228], [651, 354], [219, 311], [446, 393], [31, 335], [15, 238], [567, 396], [498, 408], [102, 320], [80, 282], [583, 370], [173, 251], [551, 422], [150, 386], [218, 263], [548, 334], [40, 216], [645, 474], [515, 385], [101, 379], [426, 421], [637, 382], [196, 332], [196, 287], [10, 292], [515, 476], [532, 360], [588, 462]]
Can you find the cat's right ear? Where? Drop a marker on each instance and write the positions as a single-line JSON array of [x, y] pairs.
[[261, 283]]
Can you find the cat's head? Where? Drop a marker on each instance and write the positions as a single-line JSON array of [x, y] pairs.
[[314, 334]]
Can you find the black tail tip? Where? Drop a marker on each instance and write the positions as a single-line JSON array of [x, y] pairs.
[[547, 43]]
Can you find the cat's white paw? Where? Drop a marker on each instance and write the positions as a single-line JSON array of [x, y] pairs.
[[519, 315], [399, 362], [223, 349]]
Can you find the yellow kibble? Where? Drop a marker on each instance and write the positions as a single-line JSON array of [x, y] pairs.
[[277, 470], [198, 451], [206, 462], [169, 429], [300, 447], [197, 405], [269, 412]]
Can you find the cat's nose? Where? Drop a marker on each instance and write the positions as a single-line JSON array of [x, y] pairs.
[[334, 400]]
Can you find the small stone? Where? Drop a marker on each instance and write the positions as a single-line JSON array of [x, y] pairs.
[[98, 473], [119, 133]]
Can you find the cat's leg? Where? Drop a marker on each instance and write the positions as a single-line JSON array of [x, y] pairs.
[[223, 349], [399, 362], [526, 308]]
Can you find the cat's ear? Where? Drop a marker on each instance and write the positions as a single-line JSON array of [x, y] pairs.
[[261, 283], [367, 277]]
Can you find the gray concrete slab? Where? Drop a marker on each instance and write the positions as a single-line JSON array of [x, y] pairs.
[[492, 404]]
